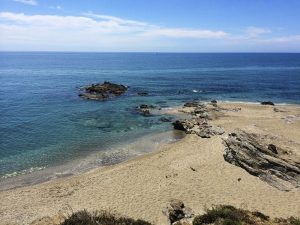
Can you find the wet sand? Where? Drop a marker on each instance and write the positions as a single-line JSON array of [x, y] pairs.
[[192, 169]]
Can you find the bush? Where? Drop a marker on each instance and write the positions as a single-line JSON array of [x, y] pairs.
[[100, 218], [294, 221], [223, 215]]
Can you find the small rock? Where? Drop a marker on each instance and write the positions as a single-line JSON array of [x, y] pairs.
[[146, 112], [193, 169], [214, 101], [142, 93], [178, 125], [191, 104], [273, 148], [267, 103], [278, 110], [177, 212], [165, 119]]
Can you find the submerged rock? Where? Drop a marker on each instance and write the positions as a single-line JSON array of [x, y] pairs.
[[267, 103], [142, 93], [144, 109], [103, 91], [165, 119], [247, 151]]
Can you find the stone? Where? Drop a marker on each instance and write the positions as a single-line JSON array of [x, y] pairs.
[[165, 119], [191, 104], [267, 103], [273, 148], [142, 93], [144, 109], [178, 213]]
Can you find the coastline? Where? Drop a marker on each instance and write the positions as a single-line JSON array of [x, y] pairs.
[[140, 187], [116, 154]]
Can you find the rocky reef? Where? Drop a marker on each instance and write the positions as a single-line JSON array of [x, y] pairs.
[[103, 91], [260, 157]]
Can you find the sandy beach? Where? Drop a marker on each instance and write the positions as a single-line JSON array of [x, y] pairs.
[[192, 170]]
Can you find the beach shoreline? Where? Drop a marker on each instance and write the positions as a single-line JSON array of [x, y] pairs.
[[141, 186]]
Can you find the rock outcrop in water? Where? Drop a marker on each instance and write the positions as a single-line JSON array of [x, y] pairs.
[[103, 91], [253, 153]]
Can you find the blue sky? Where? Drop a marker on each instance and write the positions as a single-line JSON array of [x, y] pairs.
[[156, 25]]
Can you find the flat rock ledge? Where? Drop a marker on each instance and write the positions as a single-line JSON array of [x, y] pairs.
[[198, 123], [103, 91], [263, 159]]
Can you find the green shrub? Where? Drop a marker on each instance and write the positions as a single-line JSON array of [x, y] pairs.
[[100, 218], [223, 215], [294, 221]]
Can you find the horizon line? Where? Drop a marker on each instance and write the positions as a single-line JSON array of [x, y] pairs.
[[153, 52]]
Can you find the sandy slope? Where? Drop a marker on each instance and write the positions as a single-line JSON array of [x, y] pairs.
[[142, 187]]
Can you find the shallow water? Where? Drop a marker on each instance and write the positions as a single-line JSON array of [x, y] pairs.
[[44, 124]]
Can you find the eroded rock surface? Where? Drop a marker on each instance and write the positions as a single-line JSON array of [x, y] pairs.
[[197, 123], [254, 153], [198, 126], [103, 91]]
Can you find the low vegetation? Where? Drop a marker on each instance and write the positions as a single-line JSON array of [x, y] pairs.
[[218, 215], [229, 215], [100, 218]]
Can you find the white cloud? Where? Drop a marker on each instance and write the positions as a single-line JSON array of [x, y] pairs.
[[252, 32], [94, 32], [283, 39], [27, 2], [89, 31]]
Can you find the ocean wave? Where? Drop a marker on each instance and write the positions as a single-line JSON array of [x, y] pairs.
[[22, 172]]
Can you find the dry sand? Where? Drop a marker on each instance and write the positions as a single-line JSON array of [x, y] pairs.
[[142, 187]]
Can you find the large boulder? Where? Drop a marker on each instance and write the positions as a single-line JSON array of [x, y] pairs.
[[103, 91], [251, 152]]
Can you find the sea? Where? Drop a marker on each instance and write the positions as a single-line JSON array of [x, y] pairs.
[[47, 131]]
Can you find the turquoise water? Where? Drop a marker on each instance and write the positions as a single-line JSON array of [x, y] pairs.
[[45, 124]]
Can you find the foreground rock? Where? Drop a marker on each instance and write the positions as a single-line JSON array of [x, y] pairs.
[[103, 91], [198, 126], [178, 213], [265, 160]]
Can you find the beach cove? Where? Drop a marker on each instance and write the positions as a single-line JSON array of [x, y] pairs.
[[192, 169]]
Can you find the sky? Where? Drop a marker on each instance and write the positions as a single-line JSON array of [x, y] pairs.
[[150, 25]]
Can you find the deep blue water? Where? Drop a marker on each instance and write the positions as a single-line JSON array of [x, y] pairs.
[[44, 123]]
